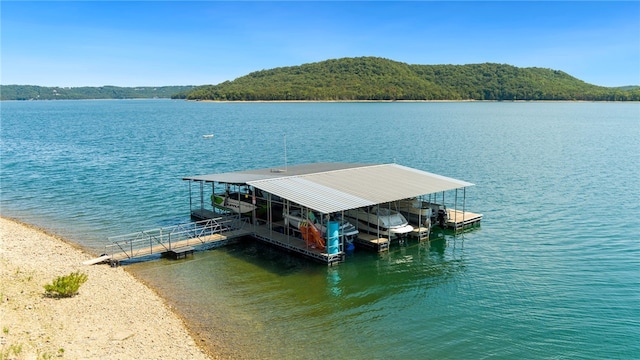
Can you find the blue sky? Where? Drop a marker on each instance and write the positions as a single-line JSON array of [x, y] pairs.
[[153, 43]]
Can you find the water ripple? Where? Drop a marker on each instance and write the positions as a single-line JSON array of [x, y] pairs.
[[551, 273]]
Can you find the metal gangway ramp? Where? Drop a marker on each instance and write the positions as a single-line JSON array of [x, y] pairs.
[[176, 240]]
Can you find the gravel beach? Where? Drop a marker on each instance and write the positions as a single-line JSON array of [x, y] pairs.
[[114, 316]]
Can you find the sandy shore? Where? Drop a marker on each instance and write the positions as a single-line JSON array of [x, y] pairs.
[[114, 316]]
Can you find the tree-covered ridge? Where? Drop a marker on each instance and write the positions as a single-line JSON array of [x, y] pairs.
[[370, 78], [30, 92]]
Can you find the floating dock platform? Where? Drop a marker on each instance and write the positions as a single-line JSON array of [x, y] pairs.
[[255, 202], [179, 253], [420, 233], [327, 190], [372, 242], [295, 244], [460, 220]]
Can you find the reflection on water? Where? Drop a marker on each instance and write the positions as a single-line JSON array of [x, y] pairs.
[[289, 292]]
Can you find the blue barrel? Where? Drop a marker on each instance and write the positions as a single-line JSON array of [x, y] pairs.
[[334, 237], [350, 248]]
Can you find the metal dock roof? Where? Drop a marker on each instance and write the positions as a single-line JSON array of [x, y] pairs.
[[243, 177], [332, 187]]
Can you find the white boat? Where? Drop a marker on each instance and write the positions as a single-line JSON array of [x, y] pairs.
[[418, 211], [295, 218], [207, 136], [380, 220], [238, 203]]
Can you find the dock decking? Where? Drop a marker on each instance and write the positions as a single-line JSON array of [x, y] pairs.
[[420, 232], [203, 214], [459, 220], [372, 242], [295, 244]]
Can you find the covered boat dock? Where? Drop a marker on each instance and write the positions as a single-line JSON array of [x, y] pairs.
[[320, 192]]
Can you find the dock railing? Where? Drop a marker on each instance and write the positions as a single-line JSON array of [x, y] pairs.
[[165, 239]]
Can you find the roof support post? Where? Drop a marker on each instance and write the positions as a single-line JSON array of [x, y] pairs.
[[419, 199], [464, 203], [286, 209], [455, 215], [388, 228], [254, 202], [213, 197], [269, 219], [190, 202], [201, 195]]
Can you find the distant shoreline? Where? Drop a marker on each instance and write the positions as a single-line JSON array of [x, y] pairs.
[[363, 77], [343, 101], [411, 101]]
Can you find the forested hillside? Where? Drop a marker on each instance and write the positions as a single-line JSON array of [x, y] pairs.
[[363, 78], [29, 92], [370, 78]]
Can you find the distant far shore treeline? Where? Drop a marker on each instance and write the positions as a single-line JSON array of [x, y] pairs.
[[362, 79], [31, 92]]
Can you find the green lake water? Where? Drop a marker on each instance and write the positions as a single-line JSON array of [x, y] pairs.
[[552, 272]]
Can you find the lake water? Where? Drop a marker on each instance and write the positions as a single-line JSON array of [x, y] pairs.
[[553, 271]]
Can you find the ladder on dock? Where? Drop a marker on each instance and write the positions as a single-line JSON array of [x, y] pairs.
[[176, 241]]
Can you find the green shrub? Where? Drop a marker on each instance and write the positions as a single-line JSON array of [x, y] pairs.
[[66, 286]]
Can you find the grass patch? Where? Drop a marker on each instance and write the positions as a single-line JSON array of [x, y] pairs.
[[65, 286]]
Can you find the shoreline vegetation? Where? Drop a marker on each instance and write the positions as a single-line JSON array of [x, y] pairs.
[[361, 79], [114, 315], [34, 92]]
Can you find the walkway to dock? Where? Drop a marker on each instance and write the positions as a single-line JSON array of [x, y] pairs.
[[176, 241]]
